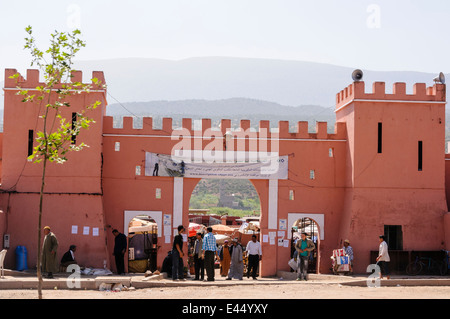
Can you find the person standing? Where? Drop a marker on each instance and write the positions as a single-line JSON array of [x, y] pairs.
[[237, 261], [254, 255], [349, 252], [120, 247], [209, 251], [177, 255], [304, 246], [383, 258], [182, 168], [49, 249], [198, 261], [156, 168], [225, 259]]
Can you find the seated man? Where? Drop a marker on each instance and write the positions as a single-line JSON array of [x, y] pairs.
[[69, 257]]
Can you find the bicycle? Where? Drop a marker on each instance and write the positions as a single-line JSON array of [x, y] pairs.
[[418, 265]]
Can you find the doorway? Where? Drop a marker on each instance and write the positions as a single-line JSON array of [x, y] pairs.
[[231, 206], [311, 228], [142, 244]]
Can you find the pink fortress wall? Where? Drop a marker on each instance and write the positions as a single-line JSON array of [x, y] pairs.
[[73, 190], [322, 195], [387, 188], [356, 191]]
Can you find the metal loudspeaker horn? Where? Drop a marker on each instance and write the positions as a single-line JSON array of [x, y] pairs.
[[357, 75], [440, 78]]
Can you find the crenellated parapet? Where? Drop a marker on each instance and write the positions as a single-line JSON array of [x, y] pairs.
[[421, 93], [32, 79], [264, 129]]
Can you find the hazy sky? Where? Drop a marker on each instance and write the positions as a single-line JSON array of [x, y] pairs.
[[373, 35]]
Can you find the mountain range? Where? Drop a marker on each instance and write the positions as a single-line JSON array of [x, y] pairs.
[[292, 83]]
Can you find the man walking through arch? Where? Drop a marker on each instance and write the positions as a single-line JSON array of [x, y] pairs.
[[209, 251], [254, 255], [304, 246]]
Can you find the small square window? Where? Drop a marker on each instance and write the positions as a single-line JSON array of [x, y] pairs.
[[312, 174], [117, 146], [138, 170], [158, 193]]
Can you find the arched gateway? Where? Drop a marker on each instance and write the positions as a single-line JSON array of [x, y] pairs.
[[171, 165]]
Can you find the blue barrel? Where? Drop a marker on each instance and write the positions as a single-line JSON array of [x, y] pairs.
[[21, 258]]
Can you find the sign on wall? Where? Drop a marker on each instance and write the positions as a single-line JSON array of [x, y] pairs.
[[247, 166]]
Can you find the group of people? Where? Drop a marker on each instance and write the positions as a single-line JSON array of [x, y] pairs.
[[304, 246], [49, 258], [205, 252], [382, 259]]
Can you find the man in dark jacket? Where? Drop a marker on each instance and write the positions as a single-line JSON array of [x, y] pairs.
[[69, 257], [167, 264], [120, 247], [177, 255], [199, 263]]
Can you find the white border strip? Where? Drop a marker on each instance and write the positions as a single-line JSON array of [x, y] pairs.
[[273, 204], [177, 201]]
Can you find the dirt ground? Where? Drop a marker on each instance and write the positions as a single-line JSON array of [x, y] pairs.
[[276, 298], [294, 290], [318, 287]]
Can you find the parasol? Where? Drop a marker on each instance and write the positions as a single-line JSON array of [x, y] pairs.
[[222, 228], [194, 228], [220, 239]]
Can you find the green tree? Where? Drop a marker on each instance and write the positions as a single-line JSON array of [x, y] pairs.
[[55, 140]]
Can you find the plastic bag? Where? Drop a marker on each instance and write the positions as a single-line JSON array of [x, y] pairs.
[[293, 264]]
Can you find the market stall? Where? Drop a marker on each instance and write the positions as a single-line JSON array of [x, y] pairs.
[[195, 228], [142, 245]]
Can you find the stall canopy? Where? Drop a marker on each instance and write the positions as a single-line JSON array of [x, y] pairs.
[[194, 228], [138, 225], [222, 228], [252, 227], [220, 239]]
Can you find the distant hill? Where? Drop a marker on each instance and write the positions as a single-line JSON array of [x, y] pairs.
[[236, 194], [285, 82], [234, 109]]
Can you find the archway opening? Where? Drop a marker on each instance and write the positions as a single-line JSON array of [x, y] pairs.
[[142, 244], [230, 206], [311, 228], [229, 202]]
